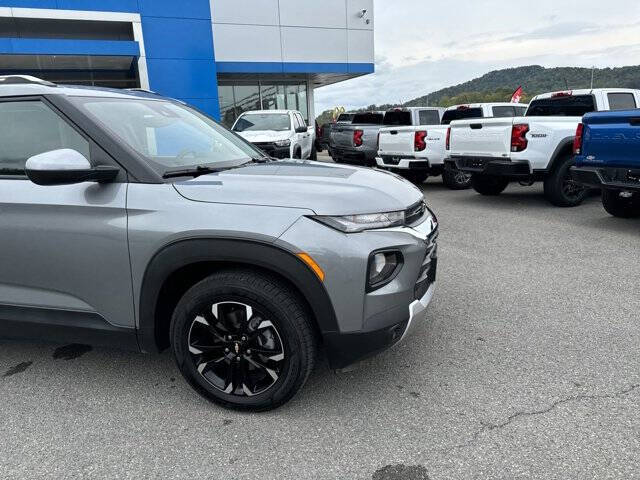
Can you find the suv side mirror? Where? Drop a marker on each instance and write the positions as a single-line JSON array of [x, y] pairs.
[[301, 130], [65, 167]]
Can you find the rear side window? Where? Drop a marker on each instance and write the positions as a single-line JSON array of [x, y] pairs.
[[621, 101], [31, 128], [461, 114], [569, 106], [400, 118], [429, 117], [503, 111], [520, 111], [368, 119]]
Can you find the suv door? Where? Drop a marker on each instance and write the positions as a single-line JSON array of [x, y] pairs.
[[65, 265]]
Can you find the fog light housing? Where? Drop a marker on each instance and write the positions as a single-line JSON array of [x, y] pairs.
[[383, 267]]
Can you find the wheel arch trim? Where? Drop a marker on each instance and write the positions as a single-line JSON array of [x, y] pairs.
[[266, 256]]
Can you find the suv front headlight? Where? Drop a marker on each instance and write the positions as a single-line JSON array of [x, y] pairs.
[[283, 143], [360, 223]]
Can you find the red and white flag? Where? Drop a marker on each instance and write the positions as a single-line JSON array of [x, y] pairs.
[[517, 95]]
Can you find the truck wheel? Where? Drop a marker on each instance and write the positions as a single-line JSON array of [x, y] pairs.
[[456, 179], [243, 340], [314, 153], [488, 184], [297, 154], [622, 207], [415, 177], [560, 188]]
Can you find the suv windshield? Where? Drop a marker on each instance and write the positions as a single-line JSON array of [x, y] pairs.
[[565, 106], [168, 135], [461, 114], [279, 122]]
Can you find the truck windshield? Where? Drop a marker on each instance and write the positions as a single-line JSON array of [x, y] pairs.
[[565, 106], [279, 122], [368, 119], [400, 118], [167, 134], [461, 114]]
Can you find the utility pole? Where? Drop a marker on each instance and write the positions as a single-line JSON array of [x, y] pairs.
[[593, 69]]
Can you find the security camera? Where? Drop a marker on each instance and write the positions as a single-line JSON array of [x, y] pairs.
[[362, 12]]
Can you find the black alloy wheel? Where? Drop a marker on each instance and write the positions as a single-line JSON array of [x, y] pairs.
[[236, 349]]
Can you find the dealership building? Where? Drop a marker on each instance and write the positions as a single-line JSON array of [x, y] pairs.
[[223, 56]]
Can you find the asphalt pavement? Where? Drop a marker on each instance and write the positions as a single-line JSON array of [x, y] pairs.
[[528, 366]]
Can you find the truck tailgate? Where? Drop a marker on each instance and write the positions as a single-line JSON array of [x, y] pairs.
[[489, 137], [612, 139], [342, 136], [397, 140]]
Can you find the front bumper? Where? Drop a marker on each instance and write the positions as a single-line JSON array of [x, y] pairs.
[[492, 166], [344, 349], [273, 150], [609, 178]]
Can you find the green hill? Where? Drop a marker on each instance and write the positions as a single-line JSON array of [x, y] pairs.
[[498, 86]]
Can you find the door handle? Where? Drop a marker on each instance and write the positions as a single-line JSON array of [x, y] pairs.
[[476, 126]]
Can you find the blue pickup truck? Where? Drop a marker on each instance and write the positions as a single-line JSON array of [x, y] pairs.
[[607, 154]]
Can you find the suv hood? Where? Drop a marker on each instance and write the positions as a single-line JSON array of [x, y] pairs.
[[264, 135], [325, 189]]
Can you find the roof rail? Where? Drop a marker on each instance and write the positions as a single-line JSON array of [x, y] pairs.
[[145, 90], [24, 80]]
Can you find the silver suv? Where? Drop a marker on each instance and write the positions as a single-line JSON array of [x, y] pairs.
[[133, 220]]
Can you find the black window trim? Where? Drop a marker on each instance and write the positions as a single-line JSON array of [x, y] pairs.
[[97, 154]]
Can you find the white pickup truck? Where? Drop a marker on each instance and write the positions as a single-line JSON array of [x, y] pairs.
[[536, 147], [418, 150]]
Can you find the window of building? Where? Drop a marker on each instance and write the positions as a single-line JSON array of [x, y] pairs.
[[31, 128], [236, 98]]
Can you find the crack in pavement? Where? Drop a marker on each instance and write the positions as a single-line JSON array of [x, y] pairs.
[[487, 427]]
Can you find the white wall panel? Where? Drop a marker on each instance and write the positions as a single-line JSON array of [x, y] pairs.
[[361, 46], [314, 13], [246, 43], [354, 7], [323, 45], [253, 12]]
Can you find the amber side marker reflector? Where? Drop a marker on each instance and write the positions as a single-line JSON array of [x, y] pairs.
[[312, 265]]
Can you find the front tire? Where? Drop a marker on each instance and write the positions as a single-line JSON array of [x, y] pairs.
[[560, 188], [621, 207], [243, 340], [488, 184], [455, 179], [297, 154]]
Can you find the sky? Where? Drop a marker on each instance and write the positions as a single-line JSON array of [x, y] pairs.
[[424, 45]]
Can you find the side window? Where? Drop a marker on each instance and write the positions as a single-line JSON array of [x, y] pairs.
[[503, 111], [296, 122], [621, 101], [30, 128], [520, 111], [301, 120]]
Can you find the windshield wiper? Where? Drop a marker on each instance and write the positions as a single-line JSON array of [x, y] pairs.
[[191, 172]]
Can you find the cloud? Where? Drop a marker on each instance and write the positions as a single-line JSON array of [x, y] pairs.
[[418, 54]]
